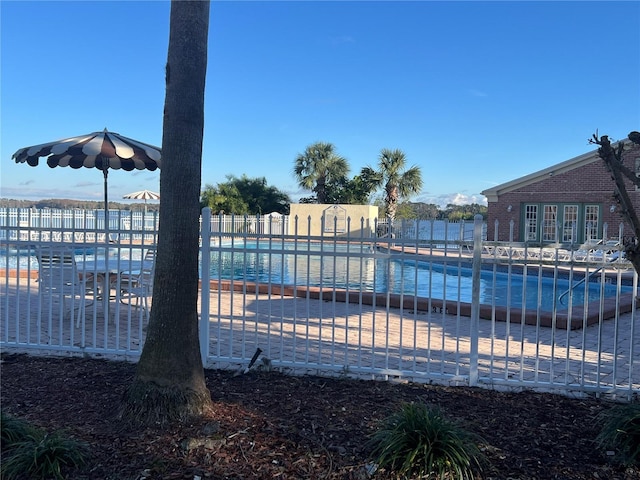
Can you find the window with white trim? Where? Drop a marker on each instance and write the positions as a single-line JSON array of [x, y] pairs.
[[531, 222], [570, 224], [550, 223], [591, 222]]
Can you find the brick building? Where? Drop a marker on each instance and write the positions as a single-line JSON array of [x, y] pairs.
[[566, 203]]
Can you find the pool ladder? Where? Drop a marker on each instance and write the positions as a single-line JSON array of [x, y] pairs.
[[578, 284]]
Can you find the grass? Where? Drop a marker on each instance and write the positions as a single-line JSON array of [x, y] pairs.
[[30, 452], [14, 430], [620, 433], [420, 440]]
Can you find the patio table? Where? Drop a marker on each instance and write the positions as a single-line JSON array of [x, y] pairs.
[[107, 272]]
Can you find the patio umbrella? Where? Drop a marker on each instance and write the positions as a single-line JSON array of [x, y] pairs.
[[101, 150], [143, 195]]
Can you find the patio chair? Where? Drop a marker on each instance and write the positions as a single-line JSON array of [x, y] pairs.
[[148, 261], [137, 287], [150, 256], [59, 276]]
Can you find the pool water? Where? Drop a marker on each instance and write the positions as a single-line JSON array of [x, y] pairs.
[[333, 265], [437, 280], [355, 267]]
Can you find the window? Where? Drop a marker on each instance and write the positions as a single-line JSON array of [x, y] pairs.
[[531, 223], [591, 222], [570, 224], [560, 223], [549, 223]]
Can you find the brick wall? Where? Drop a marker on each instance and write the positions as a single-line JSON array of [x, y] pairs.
[[590, 183]]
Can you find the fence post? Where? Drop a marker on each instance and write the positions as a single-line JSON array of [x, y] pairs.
[[205, 284], [475, 300]]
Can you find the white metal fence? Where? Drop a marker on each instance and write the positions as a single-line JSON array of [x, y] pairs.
[[436, 303]]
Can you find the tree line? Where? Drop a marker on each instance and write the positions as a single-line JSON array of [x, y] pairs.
[[431, 211], [325, 174], [321, 171], [69, 204], [232, 200]]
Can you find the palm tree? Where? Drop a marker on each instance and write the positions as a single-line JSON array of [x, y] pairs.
[[398, 182], [169, 384], [319, 167]]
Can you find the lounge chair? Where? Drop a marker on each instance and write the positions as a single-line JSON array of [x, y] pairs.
[[609, 251], [586, 250], [553, 254]]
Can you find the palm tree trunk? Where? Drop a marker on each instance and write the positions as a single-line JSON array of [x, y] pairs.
[[169, 384], [392, 207], [321, 190]]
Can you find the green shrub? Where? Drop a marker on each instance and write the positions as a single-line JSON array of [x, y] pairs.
[[419, 441], [14, 430], [28, 452], [620, 433]]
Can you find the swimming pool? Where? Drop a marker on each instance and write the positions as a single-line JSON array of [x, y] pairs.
[[334, 265], [436, 280], [340, 266]]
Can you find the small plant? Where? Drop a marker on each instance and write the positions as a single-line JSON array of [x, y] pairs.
[[29, 452], [620, 433], [419, 440], [14, 430]]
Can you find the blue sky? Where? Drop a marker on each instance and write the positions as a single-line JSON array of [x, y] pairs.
[[475, 93]]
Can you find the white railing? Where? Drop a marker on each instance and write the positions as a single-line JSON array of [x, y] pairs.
[[446, 308]]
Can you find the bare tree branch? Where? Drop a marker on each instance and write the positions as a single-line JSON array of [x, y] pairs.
[[613, 159]]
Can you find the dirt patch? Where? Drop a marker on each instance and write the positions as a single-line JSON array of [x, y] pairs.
[[268, 425]]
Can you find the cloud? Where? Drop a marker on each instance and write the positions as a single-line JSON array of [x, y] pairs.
[[444, 199], [46, 193]]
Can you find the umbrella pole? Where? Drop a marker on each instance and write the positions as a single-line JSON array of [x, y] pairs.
[[105, 171], [107, 280]]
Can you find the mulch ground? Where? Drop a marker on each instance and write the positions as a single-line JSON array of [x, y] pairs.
[[272, 426]]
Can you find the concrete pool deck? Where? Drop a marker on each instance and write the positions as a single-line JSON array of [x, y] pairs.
[[307, 334]]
